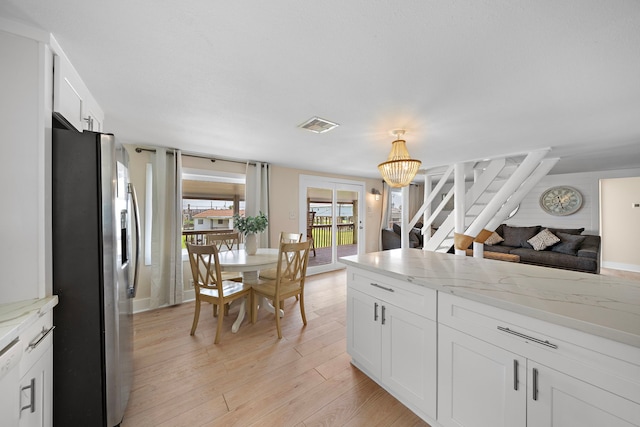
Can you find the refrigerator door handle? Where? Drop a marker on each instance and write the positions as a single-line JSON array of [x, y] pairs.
[[134, 199]]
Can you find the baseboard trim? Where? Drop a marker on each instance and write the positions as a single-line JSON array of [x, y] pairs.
[[620, 266], [144, 304]]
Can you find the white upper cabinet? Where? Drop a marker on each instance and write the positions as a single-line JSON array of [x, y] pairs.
[[71, 97]]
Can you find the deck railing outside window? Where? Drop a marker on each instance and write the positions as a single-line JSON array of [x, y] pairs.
[[197, 236], [321, 232]]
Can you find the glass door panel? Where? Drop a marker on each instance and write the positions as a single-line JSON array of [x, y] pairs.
[[333, 220], [319, 225]]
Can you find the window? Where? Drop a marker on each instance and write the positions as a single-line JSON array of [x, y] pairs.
[[209, 201], [395, 207]]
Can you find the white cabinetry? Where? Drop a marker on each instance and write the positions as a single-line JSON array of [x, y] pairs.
[[498, 368], [391, 336], [563, 400], [71, 97], [36, 392], [36, 367], [480, 385], [24, 173]]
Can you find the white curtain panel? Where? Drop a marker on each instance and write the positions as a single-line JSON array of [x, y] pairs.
[[166, 238], [257, 195]]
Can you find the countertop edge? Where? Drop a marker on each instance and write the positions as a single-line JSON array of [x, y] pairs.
[[550, 317], [16, 317]]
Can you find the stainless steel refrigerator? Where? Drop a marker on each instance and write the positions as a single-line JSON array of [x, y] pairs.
[[94, 275]]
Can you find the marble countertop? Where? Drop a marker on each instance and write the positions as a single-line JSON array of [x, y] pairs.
[[600, 305], [16, 317]]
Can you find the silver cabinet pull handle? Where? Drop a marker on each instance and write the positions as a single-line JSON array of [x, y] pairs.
[[535, 384], [375, 311], [32, 402], [527, 337], [382, 287], [515, 374], [383, 318], [36, 342]]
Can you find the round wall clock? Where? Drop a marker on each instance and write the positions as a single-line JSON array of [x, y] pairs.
[[561, 200]]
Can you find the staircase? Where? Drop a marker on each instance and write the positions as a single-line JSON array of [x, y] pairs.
[[498, 187]]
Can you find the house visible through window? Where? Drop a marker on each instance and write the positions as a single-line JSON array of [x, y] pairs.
[[209, 201]]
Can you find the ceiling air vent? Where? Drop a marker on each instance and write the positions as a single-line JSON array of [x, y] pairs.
[[318, 125]]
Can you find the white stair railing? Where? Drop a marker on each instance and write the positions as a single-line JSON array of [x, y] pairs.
[[486, 208]]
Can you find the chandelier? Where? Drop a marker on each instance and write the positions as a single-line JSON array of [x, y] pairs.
[[400, 168]]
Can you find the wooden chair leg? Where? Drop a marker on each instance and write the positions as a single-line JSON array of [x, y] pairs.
[[219, 328], [196, 316], [215, 310], [277, 314], [302, 313]]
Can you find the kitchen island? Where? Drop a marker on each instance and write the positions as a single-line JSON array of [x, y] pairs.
[[473, 342]]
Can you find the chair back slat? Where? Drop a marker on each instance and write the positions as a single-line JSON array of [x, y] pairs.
[[205, 267], [290, 237], [292, 263], [225, 240]]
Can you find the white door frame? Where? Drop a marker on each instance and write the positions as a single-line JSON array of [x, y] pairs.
[[334, 184]]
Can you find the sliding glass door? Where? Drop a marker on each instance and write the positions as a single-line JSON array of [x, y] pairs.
[[331, 213]]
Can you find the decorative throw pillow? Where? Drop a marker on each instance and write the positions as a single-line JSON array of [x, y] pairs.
[[518, 236], [569, 244], [543, 240], [577, 231], [494, 239]]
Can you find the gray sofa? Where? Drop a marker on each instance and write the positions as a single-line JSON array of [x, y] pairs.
[[391, 238], [575, 251]]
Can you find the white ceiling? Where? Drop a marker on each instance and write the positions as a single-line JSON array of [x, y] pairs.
[[466, 79]]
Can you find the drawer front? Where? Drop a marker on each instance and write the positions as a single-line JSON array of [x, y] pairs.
[[414, 298], [596, 360], [36, 340]]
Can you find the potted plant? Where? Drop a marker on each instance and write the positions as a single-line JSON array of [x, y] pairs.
[[249, 226]]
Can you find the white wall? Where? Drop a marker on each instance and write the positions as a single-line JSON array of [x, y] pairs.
[[588, 183], [620, 223], [284, 204]]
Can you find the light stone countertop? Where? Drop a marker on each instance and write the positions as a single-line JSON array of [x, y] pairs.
[[600, 305], [16, 317]]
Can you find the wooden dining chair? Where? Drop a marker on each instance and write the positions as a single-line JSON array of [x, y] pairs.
[[226, 241], [209, 285], [270, 274], [290, 277]]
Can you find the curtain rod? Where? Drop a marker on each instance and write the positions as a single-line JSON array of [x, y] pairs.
[[213, 159]]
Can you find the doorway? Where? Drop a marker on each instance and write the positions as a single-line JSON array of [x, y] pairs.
[[331, 213]]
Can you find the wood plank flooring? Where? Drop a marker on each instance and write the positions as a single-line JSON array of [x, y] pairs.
[[252, 378]]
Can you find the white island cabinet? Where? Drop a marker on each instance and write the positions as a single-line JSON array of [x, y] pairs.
[[497, 368], [516, 345], [391, 336]]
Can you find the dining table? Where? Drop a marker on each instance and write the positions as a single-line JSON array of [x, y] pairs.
[[249, 265]]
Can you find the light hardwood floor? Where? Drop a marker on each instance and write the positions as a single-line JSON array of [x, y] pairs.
[[252, 378]]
